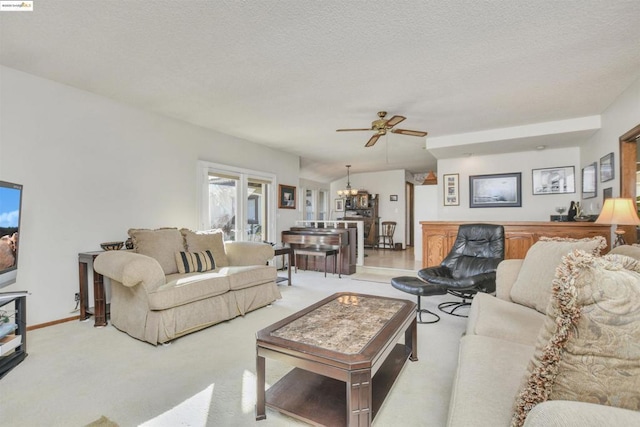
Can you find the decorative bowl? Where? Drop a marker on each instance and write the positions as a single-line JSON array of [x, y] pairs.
[[111, 246], [582, 218]]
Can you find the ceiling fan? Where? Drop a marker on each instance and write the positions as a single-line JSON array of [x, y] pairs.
[[381, 126]]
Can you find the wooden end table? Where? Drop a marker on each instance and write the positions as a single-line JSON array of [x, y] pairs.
[[284, 250], [346, 355], [100, 309]]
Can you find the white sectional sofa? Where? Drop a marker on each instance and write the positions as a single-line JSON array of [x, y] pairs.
[[497, 351]]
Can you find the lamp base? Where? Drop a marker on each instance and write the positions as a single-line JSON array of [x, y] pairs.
[[619, 238]]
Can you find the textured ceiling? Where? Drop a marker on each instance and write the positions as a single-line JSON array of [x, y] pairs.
[[287, 73]]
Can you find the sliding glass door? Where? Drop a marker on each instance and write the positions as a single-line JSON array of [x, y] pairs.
[[223, 188]]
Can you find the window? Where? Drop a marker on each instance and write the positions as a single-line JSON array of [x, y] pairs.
[[222, 188], [309, 213], [323, 202]]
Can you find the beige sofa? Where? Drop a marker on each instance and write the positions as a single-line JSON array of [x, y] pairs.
[[175, 282], [496, 352]]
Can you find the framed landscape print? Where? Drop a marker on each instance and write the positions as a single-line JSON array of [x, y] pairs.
[[495, 191], [606, 168], [589, 181], [558, 180], [451, 189], [286, 196]]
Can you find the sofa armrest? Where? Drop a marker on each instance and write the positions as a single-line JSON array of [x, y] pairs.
[[506, 276], [130, 269], [248, 253], [564, 413]]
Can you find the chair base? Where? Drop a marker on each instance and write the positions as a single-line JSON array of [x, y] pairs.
[[450, 307], [419, 312], [424, 322]]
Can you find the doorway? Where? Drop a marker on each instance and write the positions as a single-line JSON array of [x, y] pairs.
[[628, 174]]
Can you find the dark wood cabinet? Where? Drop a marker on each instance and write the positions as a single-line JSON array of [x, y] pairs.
[[438, 236], [364, 207]]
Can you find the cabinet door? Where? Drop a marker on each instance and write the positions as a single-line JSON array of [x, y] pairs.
[[436, 245], [517, 243]]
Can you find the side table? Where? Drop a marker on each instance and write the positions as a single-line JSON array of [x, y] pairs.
[[100, 308], [11, 359], [284, 250]]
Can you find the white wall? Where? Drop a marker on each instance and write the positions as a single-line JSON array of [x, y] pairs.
[[425, 199], [621, 116], [384, 184], [534, 208], [93, 168]]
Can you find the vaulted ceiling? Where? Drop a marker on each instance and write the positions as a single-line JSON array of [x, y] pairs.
[[479, 76]]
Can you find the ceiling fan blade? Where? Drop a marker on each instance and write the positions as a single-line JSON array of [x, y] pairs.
[[395, 120], [373, 140], [409, 132], [349, 130]]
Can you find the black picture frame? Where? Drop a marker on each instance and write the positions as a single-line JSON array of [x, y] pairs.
[[286, 196], [607, 171], [495, 191], [451, 189], [556, 180], [589, 181], [393, 198], [607, 193]]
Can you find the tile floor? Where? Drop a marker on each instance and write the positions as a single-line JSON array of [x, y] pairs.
[[391, 259]]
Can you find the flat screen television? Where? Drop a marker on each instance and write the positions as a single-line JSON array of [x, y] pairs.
[[10, 207]]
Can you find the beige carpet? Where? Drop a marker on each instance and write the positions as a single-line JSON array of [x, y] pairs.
[[76, 373], [371, 277], [102, 422]]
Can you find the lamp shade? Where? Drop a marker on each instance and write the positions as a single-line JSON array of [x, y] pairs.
[[619, 211]]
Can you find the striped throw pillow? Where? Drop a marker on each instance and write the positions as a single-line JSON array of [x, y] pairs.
[[192, 262]]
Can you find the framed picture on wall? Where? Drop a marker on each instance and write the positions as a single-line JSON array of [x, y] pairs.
[[339, 205], [495, 191], [286, 196], [606, 168], [558, 180], [451, 189], [589, 181]]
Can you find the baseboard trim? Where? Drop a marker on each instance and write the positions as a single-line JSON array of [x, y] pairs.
[[53, 322]]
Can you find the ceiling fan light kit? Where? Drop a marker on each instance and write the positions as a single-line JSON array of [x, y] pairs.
[[381, 126]]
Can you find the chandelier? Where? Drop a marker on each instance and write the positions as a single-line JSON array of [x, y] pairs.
[[348, 191]]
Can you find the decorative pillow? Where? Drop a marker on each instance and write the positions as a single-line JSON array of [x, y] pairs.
[[212, 240], [161, 244], [192, 262], [532, 288], [588, 348]]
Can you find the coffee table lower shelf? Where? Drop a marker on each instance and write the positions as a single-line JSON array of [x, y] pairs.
[[321, 400]]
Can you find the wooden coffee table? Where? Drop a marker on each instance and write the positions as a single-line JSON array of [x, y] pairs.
[[346, 355]]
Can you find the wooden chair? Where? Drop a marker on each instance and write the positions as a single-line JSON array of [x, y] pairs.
[[386, 236]]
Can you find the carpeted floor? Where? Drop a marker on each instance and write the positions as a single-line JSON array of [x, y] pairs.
[[377, 278], [75, 373]]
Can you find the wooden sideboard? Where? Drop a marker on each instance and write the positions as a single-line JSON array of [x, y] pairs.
[[438, 236]]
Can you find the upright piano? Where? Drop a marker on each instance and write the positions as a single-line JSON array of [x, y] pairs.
[[343, 239]]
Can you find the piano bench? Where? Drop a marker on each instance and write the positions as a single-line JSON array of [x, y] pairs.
[[318, 251]]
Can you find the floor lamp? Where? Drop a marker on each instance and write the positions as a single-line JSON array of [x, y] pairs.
[[618, 211]]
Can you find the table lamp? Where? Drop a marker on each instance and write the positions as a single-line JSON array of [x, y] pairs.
[[618, 211]]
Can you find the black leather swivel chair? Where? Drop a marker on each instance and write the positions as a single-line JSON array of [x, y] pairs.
[[469, 268]]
